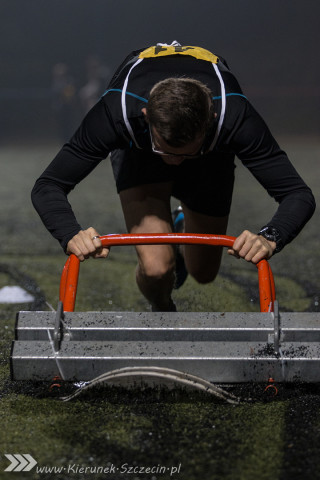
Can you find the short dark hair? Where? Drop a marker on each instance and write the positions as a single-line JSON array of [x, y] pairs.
[[180, 109]]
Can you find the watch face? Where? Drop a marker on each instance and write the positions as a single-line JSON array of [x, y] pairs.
[[272, 234]]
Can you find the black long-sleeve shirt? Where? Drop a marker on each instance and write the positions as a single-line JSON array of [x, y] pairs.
[[243, 132]]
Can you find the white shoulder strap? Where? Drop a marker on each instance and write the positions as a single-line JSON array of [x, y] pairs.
[[223, 107], [123, 103]]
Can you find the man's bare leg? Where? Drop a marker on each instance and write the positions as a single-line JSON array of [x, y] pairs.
[[202, 261], [146, 209]]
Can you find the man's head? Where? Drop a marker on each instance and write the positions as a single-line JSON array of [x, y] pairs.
[[180, 110]]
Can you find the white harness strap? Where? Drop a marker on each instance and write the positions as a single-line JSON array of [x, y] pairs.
[[223, 107], [123, 103]]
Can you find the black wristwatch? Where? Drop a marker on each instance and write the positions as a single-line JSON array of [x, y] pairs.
[[272, 234]]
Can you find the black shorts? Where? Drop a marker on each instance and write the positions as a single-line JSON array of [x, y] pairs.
[[203, 184]]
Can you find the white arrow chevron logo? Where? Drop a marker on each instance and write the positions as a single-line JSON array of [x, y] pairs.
[[20, 463]]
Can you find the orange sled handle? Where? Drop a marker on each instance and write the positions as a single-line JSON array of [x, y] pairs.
[[70, 273]]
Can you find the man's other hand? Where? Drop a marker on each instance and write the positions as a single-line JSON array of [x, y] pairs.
[[252, 247], [87, 244]]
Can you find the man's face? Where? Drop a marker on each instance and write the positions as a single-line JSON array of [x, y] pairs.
[[175, 155]]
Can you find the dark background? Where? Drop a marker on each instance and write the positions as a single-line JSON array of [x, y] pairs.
[[271, 45]]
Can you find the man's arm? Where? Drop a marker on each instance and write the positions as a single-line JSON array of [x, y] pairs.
[[253, 143], [91, 143]]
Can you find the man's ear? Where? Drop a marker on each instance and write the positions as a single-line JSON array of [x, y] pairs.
[[144, 111]]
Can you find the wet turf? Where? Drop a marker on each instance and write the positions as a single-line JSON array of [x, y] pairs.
[[268, 438]]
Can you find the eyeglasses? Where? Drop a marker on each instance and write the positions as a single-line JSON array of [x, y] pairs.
[[168, 154]]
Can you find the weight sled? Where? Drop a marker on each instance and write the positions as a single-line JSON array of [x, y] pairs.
[[219, 347]]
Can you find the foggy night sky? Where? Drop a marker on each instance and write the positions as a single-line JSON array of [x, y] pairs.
[[271, 46]]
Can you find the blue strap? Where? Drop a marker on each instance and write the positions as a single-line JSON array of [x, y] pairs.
[[127, 93], [229, 95]]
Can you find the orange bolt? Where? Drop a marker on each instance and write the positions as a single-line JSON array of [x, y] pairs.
[[55, 385], [271, 387]]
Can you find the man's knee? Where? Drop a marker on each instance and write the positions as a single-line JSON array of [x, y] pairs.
[[155, 271], [157, 267]]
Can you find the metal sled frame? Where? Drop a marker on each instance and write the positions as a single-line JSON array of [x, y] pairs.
[[220, 347]]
